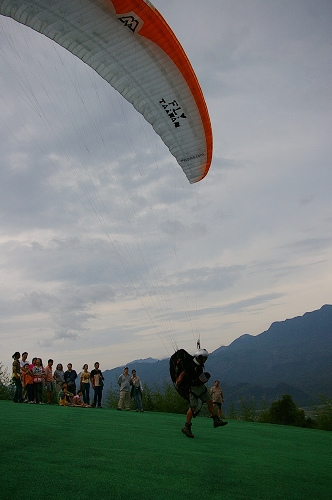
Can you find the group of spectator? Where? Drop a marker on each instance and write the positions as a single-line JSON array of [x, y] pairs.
[[130, 387], [31, 378]]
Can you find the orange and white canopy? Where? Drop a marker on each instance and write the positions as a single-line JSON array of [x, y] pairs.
[[132, 47]]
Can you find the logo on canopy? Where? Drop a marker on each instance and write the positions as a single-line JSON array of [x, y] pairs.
[[174, 111], [131, 21]]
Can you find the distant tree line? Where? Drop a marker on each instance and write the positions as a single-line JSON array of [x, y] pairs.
[[155, 398], [284, 411]]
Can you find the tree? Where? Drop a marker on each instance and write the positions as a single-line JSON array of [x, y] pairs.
[[147, 399], [232, 412], [285, 412], [165, 399], [154, 399], [324, 417], [112, 397], [248, 410], [174, 403], [6, 385]]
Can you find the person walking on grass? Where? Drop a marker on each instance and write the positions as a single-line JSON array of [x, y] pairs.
[[195, 377]]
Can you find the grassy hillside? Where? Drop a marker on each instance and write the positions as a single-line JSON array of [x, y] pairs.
[[70, 453]]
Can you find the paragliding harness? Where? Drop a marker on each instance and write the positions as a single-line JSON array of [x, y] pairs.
[[180, 361]]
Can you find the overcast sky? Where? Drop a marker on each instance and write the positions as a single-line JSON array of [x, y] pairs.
[[107, 252]]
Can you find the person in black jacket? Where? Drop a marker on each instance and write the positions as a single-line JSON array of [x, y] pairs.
[[97, 380], [70, 379], [195, 377]]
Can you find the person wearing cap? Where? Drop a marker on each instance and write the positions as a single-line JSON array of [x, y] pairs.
[[196, 378], [124, 382]]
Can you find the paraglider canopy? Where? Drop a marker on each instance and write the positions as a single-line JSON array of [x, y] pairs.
[[131, 46]]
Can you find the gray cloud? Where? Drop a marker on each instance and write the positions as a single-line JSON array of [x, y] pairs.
[[105, 247], [253, 304]]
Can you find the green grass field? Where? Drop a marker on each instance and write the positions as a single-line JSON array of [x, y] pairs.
[[56, 453]]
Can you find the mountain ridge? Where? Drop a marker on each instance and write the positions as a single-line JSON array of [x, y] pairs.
[[294, 355]]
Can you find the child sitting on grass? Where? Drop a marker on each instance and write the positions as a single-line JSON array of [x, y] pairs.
[[65, 397], [78, 400]]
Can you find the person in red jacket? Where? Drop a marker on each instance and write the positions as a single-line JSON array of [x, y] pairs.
[[27, 382]]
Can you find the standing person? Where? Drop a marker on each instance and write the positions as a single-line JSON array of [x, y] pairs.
[[194, 376], [22, 364], [16, 377], [24, 359], [33, 363], [59, 377], [136, 391], [124, 382], [97, 384], [27, 382], [217, 396], [38, 376], [70, 379], [85, 384], [49, 381]]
